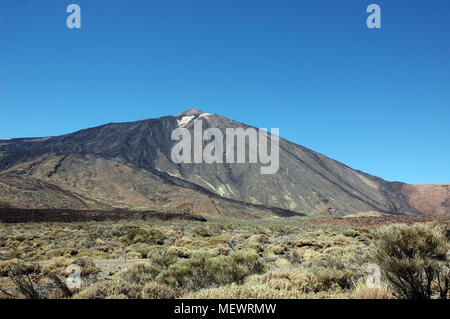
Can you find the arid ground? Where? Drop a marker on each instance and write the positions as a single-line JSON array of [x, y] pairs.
[[150, 258]]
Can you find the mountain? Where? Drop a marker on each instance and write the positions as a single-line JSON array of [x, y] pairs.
[[128, 165], [432, 199]]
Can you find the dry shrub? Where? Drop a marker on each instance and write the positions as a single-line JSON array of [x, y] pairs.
[[283, 263], [57, 293], [154, 290], [333, 278], [58, 266], [88, 267], [140, 273], [203, 231], [121, 296], [135, 235], [259, 238], [203, 270], [273, 250], [163, 257], [318, 282], [308, 254], [30, 284], [6, 266], [180, 252], [57, 252], [362, 291], [351, 233], [142, 249], [414, 260], [134, 255], [110, 289], [259, 291], [290, 282], [235, 291], [303, 281]]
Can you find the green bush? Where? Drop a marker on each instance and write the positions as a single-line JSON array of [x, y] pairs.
[[142, 249], [140, 273], [58, 252], [203, 231], [87, 266], [135, 234], [163, 257], [351, 233], [334, 277], [203, 270], [414, 259]]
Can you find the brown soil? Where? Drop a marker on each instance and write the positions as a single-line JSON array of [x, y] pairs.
[[376, 221], [17, 215], [430, 199]]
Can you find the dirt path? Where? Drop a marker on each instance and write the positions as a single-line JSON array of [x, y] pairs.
[[107, 267], [105, 262]]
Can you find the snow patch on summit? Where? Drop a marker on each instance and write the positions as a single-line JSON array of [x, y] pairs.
[[204, 115], [184, 120]]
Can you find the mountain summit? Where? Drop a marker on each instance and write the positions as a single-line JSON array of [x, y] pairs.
[[191, 112], [128, 165]]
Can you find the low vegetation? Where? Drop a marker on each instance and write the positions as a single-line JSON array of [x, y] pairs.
[[281, 258], [415, 260]]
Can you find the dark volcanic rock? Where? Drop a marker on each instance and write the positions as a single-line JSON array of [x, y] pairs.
[[128, 165]]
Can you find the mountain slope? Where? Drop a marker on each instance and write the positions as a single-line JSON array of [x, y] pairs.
[[92, 182], [129, 165], [432, 199]]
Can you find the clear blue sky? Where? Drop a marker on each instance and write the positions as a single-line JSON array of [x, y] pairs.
[[376, 100]]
